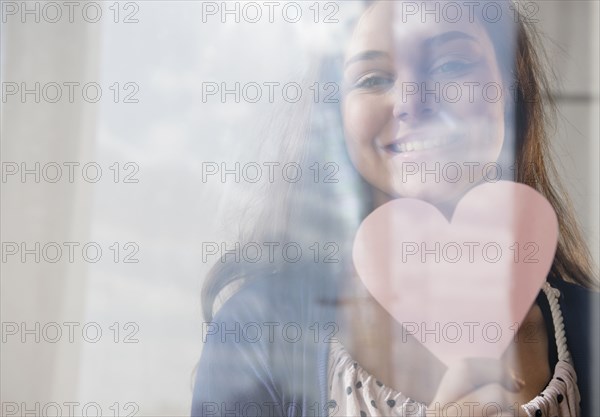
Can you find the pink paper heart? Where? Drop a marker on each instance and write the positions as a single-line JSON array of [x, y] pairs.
[[492, 260]]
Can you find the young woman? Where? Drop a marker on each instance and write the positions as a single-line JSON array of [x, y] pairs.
[[307, 338]]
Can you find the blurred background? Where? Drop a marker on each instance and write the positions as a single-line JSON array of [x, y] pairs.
[[136, 211]]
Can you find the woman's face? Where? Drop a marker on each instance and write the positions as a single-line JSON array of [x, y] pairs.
[[423, 103]]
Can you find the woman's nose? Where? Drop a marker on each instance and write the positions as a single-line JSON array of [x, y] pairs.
[[415, 101]]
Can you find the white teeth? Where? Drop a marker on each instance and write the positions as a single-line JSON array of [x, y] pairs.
[[423, 145]]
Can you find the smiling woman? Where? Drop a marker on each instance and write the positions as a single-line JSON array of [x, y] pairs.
[[424, 92], [396, 108]]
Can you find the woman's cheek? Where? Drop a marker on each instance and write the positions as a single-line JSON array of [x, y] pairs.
[[364, 119], [491, 116], [481, 117]]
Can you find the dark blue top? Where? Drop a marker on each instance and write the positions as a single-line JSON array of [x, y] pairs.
[[266, 351]]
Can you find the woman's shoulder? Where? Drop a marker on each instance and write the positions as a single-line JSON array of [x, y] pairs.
[[294, 291], [575, 299], [569, 286], [580, 308], [260, 347]]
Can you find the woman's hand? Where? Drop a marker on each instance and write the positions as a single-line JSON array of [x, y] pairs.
[[477, 387]]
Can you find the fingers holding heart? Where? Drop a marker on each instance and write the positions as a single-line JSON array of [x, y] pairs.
[[478, 386]]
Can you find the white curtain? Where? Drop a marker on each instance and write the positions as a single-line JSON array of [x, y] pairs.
[[37, 131]]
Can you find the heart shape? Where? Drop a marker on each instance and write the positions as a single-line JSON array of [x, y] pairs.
[[461, 288]]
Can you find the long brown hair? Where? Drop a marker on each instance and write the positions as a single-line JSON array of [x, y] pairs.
[[518, 44], [535, 113]]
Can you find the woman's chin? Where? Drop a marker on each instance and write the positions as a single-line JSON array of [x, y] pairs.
[[436, 193]]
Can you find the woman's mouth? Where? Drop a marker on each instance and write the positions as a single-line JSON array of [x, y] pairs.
[[403, 146]]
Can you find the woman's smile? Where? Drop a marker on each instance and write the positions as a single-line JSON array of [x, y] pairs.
[[414, 94], [424, 145]]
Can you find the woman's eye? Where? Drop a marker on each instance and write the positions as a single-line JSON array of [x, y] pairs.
[[452, 67], [374, 81]]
